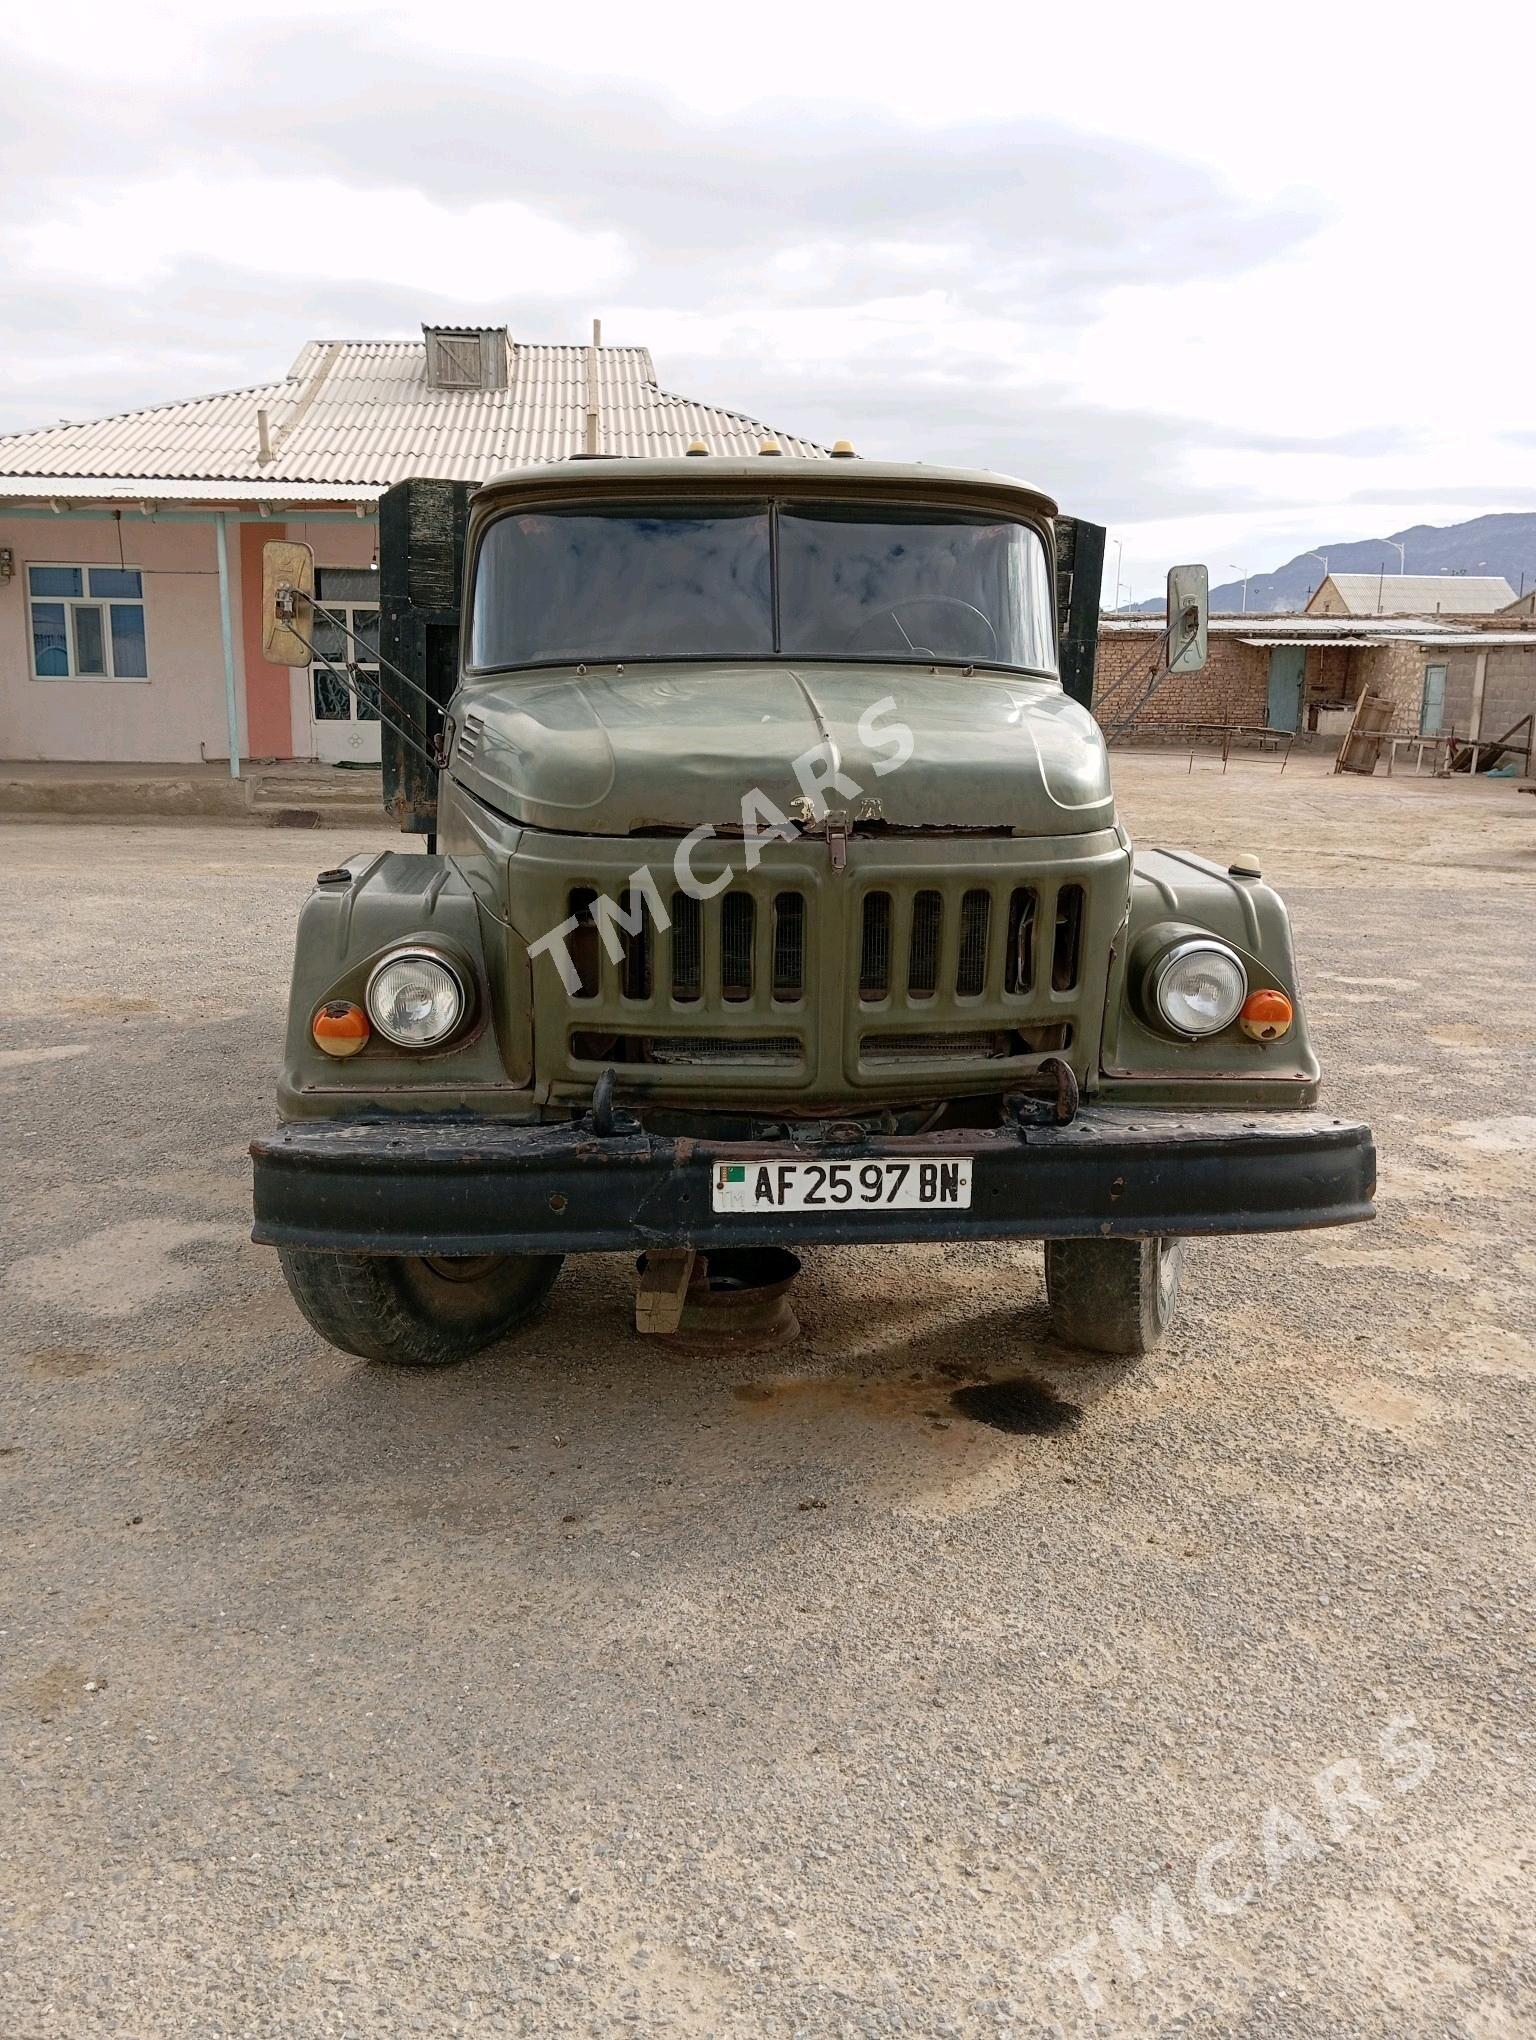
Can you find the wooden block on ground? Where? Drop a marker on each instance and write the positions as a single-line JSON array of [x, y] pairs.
[[663, 1287]]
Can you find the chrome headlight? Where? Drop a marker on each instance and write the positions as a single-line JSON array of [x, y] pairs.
[[1198, 987], [415, 999]]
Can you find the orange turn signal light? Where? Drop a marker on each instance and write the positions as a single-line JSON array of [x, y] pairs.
[[1266, 1016], [340, 1028]]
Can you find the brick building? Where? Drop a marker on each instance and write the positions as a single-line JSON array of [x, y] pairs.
[[1487, 690], [1472, 676]]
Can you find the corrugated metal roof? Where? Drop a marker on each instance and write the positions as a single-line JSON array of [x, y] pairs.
[[1288, 629], [1430, 635], [1420, 594], [359, 415], [113, 489], [1331, 630]]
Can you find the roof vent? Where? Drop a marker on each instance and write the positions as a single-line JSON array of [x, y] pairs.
[[466, 357]]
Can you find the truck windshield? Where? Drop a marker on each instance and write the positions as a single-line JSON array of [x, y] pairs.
[[822, 581]]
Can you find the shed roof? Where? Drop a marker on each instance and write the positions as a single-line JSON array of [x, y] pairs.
[[1418, 594], [1280, 629], [1257, 628], [358, 415], [1432, 638]]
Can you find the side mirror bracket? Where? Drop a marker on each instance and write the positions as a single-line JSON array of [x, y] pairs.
[[1189, 595]]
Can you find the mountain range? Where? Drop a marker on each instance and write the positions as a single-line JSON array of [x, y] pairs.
[[1504, 543]]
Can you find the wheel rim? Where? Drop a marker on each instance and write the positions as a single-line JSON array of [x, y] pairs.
[[1167, 1272], [461, 1268]]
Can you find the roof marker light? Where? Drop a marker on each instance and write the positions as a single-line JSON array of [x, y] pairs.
[[696, 447], [843, 450], [770, 446]]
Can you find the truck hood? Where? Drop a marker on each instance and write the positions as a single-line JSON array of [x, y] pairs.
[[614, 753]]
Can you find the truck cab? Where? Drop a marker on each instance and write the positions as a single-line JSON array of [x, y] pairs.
[[775, 895]]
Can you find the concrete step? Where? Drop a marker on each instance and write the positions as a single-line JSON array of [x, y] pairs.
[[293, 797], [156, 793], [321, 797], [335, 815], [353, 791]]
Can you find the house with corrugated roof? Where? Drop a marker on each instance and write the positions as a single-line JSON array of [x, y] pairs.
[[1431, 595], [130, 547]]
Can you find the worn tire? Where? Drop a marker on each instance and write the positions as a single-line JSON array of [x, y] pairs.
[[412, 1311], [1112, 1296]]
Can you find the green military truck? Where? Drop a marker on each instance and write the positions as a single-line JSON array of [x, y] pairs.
[[773, 892]]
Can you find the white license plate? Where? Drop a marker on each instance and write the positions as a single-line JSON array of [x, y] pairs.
[[841, 1186]]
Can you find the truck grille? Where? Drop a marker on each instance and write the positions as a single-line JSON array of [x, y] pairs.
[[968, 974], [949, 967], [875, 1049], [737, 914], [765, 1051], [733, 945], [788, 945], [875, 951]]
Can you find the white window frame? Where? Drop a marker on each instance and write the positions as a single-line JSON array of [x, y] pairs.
[[86, 600], [347, 607]]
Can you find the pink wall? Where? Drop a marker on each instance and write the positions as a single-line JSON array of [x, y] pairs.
[[338, 542], [175, 716]]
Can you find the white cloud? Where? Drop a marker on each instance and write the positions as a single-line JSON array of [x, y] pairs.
[[314, 228], [1235, 282]]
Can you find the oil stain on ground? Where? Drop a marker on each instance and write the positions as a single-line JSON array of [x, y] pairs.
[[1018, 1403]]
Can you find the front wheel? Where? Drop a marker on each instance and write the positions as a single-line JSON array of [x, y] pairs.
[[1112, 1296], [416, 1310]]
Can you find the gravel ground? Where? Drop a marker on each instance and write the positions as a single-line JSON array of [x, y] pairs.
[[593, 1688]]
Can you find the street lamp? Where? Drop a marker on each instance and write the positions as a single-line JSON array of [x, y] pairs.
[[1317, 556], [1402, 554], [1244, 573], [1119, 544]]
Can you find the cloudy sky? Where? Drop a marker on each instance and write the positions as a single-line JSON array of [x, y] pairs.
[[1231, 281]]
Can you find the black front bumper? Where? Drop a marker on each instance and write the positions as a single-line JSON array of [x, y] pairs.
[[479, 1187]]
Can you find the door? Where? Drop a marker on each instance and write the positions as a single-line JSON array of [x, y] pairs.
[[1287, 670], [1432, 708], [345, 724]]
